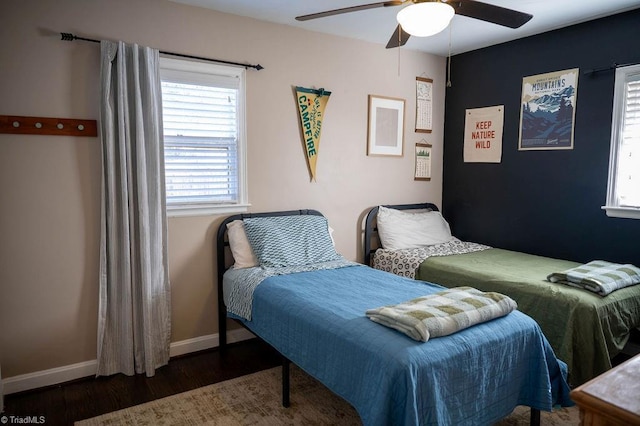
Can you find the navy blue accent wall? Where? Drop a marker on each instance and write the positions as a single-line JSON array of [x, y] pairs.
[[541, 202]]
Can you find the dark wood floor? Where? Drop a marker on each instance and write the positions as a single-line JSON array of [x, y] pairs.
[[81, 399]]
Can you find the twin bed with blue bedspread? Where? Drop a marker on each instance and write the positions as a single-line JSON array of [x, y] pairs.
[[314, 314]]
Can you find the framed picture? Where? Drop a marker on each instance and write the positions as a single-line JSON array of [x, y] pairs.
[[386, 126], [548, 110]]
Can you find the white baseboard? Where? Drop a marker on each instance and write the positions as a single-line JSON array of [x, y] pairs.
[[80, 370], [49, 377], [207, 342]]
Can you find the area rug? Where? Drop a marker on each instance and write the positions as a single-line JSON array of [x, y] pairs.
[[255, 399]]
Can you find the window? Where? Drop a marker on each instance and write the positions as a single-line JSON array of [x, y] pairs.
[[204, 143], [623, 190]]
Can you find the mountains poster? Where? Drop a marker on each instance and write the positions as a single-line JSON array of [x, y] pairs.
[[547, 110]]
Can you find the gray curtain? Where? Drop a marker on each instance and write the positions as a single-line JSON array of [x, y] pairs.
[[134, 318]]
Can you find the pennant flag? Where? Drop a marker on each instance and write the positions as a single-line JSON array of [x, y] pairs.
[[311, 104]]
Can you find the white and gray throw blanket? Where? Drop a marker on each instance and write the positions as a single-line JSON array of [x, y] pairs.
[[443, 313], [598, 276], [239, 284], [405, 262]]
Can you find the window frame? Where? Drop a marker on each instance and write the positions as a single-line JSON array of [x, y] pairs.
[[192, 71], [613, 207]]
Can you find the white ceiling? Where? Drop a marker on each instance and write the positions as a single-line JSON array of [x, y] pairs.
[[377, 25]]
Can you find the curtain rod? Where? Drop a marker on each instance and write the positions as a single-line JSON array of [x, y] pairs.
[[609, 68], [258, 67]]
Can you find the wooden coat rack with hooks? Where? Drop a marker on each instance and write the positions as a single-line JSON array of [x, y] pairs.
[[47, 126]]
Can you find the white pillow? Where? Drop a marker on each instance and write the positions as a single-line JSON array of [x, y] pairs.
[[239, 244], [399, 229]]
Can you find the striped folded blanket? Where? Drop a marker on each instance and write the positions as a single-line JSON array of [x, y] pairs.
[[598, 276], [443, 313]]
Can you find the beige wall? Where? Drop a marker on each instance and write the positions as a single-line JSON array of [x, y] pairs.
[[50, 193]]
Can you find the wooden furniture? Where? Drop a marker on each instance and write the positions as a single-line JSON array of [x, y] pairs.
[[613, 398], [48, 126]]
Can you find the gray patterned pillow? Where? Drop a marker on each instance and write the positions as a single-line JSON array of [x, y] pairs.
[[290, 240]]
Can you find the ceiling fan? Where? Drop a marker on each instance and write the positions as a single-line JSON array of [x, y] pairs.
[[470, 8]]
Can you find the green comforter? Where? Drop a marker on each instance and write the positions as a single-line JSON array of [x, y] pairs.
[[584, 329]]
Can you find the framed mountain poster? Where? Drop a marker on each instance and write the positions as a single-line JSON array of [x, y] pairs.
[[548, 110]]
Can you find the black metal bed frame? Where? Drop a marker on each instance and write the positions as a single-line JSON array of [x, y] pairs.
[[222, 249]]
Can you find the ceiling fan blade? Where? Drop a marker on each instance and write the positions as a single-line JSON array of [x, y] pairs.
[[490, 13], [349, 9], [399, 38]]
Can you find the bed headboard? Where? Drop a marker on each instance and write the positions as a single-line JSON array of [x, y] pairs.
[[371, 240], [223, 255]]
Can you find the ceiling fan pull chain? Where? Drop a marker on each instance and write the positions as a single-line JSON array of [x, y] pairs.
[[399, 41], [449, 58]]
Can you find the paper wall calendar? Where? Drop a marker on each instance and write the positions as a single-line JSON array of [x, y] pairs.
[[423, 162], [424, 105]]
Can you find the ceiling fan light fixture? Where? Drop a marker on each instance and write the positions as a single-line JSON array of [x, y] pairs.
[[425, 19]]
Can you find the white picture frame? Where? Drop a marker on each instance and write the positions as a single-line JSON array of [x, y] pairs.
[[386, 126]]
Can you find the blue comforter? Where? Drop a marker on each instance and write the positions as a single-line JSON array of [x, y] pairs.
[[473, 377]]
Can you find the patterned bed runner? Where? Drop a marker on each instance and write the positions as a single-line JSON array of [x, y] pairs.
[[443, 313], [598, 276]]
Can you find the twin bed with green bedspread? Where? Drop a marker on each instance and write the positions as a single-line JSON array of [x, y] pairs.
[[585, 329]]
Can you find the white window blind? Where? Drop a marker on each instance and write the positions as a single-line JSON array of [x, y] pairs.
[[628, 187], [203, 122], [623, 197]]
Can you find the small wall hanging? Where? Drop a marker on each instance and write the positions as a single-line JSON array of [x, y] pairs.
[[424, 102], [311, 105], [423, 161], [483, 134]]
